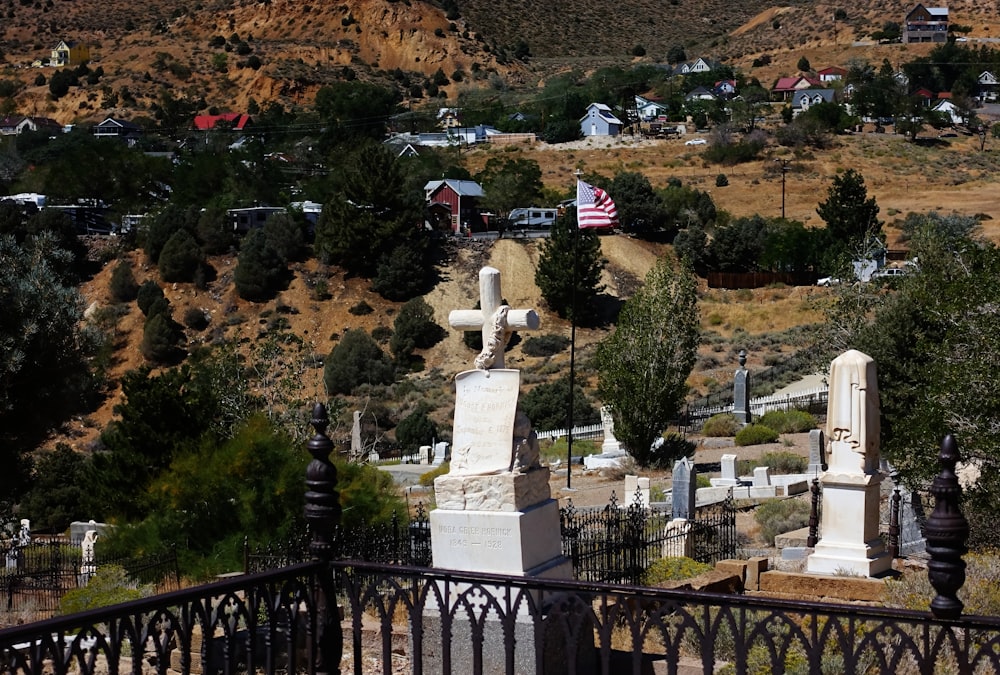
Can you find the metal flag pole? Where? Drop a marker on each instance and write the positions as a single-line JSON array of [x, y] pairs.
[[572, 344]]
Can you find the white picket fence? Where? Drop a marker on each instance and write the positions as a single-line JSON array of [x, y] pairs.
[[764, 404], [758, 406], [585, 432]]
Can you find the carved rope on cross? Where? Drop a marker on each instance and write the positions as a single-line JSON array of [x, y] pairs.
[[496, 320]]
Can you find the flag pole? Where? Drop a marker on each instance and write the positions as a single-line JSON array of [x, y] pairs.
[[572, 342]]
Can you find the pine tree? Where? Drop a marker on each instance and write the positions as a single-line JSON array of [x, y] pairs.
[[371, 214], [259, 268], [851, 216], [355, 360], [180, 258], [161, 338], [555, 276]]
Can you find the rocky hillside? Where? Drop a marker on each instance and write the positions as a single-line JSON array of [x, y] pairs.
[[229, 52]]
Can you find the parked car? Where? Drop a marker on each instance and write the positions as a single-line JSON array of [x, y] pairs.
[[888, 273], [828, 281], [696, 141]]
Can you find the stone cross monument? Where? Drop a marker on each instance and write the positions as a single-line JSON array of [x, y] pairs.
[[494, 512], [849, 531], [494, 509]]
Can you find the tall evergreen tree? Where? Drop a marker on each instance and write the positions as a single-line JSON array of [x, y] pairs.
[[567, 248], [643, 366], [180, 258], [851, 215], [370, 214]]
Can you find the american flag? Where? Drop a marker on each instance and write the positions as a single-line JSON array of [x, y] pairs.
[[594, 207]]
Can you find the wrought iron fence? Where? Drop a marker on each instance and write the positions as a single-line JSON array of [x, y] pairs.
[[616, 544], [433, 621], [259, 623], [35, 576], [395, 542]]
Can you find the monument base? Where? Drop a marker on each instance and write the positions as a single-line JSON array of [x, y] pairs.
[[507, 491], [849, 533], [501, 542], [563, 643]]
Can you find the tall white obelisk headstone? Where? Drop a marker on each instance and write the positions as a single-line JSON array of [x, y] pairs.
[[849, 531]]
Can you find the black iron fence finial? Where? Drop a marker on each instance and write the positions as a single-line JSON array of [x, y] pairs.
[[947, 532], [322, 512]]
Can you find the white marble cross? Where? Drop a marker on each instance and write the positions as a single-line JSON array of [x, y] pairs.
[[492, 316]]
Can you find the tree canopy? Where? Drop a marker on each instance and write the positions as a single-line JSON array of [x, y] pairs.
[[851, 216], [933, 337], [644, 364], [569, 270]]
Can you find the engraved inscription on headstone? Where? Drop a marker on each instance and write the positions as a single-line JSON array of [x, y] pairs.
[[485, 406]]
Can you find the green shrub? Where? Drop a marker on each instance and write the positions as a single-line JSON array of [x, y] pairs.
[[980, 592], [674, 569], [545, 345], [779, 516], [381, 334], [123, 286], [779, 462], [673, 447], [355, 360], [260, 270], [360, 309], [180, 258], [723, 424], [110, 586], [788, 421], [756, 434], [721, 180], [149, 292], [195, 319], [427, 479], [415, 430], [414, 328]]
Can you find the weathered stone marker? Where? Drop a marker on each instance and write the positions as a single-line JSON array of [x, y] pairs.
[[849, 532]]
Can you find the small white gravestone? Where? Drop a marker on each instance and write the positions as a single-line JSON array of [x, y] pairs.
[[440, 453], [637, 491], [729, 478], [849, 531], [357, 448], [425, 454], [761, 476], [611, 445], [24, 535]]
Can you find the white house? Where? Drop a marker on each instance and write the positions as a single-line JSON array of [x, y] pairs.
[[988, 85], [649, 110], [600, 121], [951, 110]]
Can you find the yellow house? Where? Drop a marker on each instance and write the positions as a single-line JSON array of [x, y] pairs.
[[69, 54]]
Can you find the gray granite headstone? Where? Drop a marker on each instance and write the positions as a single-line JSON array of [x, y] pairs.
[[683, 489], [741, 391], [817, 453], [912, 518]]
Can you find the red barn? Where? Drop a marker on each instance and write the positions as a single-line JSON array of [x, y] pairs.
[[458, 202]]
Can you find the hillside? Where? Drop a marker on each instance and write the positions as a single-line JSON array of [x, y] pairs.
[[168, 47]]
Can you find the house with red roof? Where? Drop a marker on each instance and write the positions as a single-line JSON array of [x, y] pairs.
[[228, 121], [785, 87], [831, 74]]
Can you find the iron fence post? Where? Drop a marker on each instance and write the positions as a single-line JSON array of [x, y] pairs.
[[322, 513], [894, 506], [947, 532], [813, 515]]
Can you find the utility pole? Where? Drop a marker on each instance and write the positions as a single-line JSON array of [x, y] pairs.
[[784, 169]]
